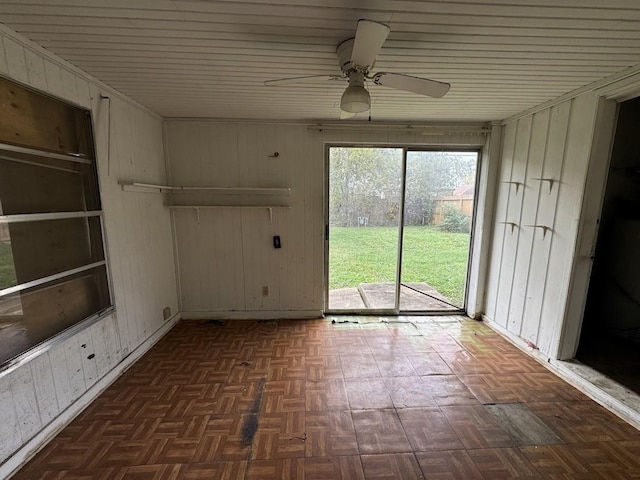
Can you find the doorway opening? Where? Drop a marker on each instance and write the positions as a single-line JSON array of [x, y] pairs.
[[610, 336], [398, 229]]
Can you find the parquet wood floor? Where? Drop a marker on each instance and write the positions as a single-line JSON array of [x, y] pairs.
[[437, 398]]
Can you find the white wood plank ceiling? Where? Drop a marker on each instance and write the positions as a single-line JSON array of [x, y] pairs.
[[209, 58]]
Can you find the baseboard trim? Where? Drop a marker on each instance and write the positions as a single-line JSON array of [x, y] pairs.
[[21, 456], [253, 315], [600, 388], [517, 341]]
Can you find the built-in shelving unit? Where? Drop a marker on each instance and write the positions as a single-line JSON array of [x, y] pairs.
[[204, 197]]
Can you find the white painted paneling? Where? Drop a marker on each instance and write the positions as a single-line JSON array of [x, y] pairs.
[[84, 92], [106, 345], [545, 215], [61, 377], [529, 274], [87, 357], [210, 58], [227, 258], [16, 63], [4, 68], [35, 69], [34, 396], [513, 215], [214, 279], [24, 397], [502, 230], [44, 388], [53, 73], [526, 233], [74, 367], [70, 91]]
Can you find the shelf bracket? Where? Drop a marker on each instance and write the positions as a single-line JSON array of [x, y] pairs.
[[550, 180], [517, 184], [511, 224], [544, 228]]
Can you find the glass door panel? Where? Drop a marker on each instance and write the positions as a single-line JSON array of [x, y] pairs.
[[439, 201], [365, 202]]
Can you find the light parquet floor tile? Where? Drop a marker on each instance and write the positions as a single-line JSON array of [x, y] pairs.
[[330, 433], [427, 429], [380, 431]]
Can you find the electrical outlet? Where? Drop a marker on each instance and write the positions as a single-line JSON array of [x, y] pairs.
[[265, 291]]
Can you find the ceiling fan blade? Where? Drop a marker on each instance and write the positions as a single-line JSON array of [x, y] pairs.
[[369, 38], [421, 86], [344, 115], [306, 79]]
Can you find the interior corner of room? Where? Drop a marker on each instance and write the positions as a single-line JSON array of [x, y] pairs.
[[125, 209]]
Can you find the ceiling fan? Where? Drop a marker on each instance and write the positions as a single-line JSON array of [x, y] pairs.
[[356, 57]]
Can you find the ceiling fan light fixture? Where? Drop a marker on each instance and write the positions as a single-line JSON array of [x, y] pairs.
[[355, 99]]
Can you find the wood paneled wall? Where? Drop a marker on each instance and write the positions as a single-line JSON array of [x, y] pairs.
[[227, 257], [139, 246], [530, 269]]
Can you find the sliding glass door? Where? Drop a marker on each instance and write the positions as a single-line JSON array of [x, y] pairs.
[[398, 229]]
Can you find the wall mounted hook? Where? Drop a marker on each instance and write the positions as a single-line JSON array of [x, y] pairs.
[[274, 155]]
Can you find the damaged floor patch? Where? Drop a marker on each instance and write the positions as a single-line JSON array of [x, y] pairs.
[[250, 425]]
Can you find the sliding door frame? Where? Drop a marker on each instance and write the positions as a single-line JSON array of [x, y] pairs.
[[398, 280]]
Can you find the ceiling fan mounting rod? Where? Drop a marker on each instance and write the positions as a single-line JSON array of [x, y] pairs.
[[356, 79]]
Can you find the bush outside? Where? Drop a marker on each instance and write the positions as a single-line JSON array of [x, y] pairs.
[[454, 221]]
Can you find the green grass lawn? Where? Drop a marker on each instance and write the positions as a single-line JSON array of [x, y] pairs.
[[368, 255]]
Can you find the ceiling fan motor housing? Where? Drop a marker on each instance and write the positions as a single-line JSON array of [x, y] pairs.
[[344, 56]]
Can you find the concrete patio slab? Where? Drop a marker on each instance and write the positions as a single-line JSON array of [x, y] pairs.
[[346, 299], [382, 296]]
